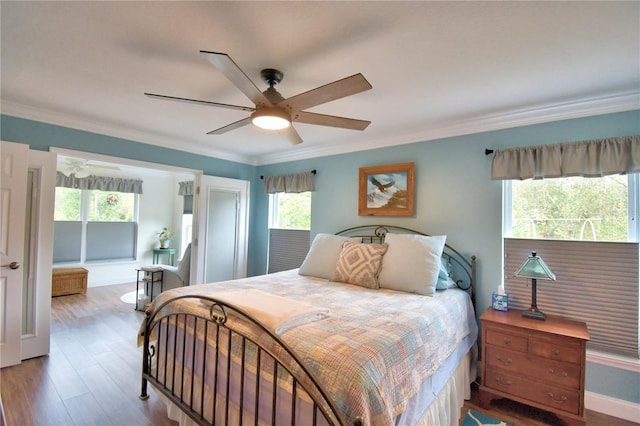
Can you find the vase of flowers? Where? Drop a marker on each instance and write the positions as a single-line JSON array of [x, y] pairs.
[[165, 237]]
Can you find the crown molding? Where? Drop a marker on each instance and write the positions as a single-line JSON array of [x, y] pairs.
[[627, 101], [620, 102], [65, 120]]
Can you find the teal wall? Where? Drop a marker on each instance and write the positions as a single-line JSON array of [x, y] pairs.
[[454, 193], [454, 196], [42, 136]]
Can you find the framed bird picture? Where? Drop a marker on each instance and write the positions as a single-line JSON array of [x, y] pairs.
[[386, 190]]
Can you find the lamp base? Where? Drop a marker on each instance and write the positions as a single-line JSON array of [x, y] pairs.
[[535, 314]]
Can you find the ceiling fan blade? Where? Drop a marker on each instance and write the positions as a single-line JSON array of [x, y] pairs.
[[291, 135], [230, 127], [101, 166], [232, 71], [329, 120], [195, 101], [329, 92]]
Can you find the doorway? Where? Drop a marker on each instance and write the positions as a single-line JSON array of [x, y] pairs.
[[223, 211]]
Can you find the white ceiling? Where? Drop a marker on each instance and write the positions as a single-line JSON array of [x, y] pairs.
[[438, 69]]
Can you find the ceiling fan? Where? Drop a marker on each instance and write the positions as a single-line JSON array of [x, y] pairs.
[[81, 168], [272, 111]]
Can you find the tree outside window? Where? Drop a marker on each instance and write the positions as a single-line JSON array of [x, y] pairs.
[[574, 208], [290, 210]]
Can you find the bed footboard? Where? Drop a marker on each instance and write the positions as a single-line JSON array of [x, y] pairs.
[[221, 366]]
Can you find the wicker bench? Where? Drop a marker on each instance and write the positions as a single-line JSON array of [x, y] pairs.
[[69, 281]]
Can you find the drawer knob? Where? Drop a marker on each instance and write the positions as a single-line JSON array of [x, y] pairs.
[[555, 352], [507, 342], [558, 400], [504, 361], [501, 383], [553, 373]]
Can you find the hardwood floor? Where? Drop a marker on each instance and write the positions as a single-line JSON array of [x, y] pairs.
[[92, 375]]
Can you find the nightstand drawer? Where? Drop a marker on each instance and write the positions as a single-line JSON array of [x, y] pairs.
[[549, 348], [508, 340], [554, 397], [552, 372]]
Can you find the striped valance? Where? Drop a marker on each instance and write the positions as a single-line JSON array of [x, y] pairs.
[[292, 183], [591, 158], [186, 188], [101, 183]]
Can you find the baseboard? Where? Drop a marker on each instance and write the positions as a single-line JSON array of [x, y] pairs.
[[612, 407]]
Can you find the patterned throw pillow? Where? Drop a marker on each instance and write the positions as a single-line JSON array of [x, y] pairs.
[[359, 264]]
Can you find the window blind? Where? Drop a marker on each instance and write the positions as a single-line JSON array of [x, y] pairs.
[[596, 282], [287, 249], [67, 240], [111, 241]]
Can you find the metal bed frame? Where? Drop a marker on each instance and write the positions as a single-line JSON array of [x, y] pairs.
[[225, 324]]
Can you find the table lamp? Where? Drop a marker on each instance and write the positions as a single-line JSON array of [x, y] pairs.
[[536, 269]]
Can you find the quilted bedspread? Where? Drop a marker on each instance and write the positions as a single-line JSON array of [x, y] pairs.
[[375, 348]]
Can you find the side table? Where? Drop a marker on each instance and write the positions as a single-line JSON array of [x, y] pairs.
[[170, 252], [147, 278], [539, 363]]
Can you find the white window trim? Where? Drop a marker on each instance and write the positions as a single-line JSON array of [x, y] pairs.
[[84, 218], [633, 208], [612, 360], [273, 210]]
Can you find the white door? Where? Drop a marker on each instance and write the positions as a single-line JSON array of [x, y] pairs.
[[14, 160], [222, 229]]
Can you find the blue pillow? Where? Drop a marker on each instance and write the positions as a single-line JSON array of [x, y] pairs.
[[444, 280]]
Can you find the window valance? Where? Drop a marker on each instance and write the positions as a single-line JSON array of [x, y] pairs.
[[292, 183], [102, 183], [185, 188], [591, 158]]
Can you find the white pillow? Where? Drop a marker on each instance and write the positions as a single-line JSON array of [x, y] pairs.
[[323, 256], [412, 263]]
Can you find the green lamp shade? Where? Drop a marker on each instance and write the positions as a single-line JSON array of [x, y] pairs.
[[535, 267]]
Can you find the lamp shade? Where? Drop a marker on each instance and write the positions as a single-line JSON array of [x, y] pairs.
[[270, 119], [535, 267]]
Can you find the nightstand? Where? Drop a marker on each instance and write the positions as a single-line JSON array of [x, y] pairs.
[[539, 363]]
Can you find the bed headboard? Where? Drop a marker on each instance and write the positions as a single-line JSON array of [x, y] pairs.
[[463, 269]]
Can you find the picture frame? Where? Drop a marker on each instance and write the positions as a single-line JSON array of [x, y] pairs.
[[386, 190]]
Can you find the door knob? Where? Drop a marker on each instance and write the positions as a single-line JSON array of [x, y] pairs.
[[12, 265]]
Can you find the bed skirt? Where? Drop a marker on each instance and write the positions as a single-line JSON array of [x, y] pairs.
[[444, 410]]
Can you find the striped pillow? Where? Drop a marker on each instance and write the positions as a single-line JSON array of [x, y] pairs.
[[359, 264]]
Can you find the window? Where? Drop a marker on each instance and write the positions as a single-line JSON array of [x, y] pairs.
[[289, 223], [573, 208], [290, 210], [94, 225], [586, 229]]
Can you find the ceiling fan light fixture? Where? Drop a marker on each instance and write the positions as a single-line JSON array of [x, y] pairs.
[[270, 119]]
